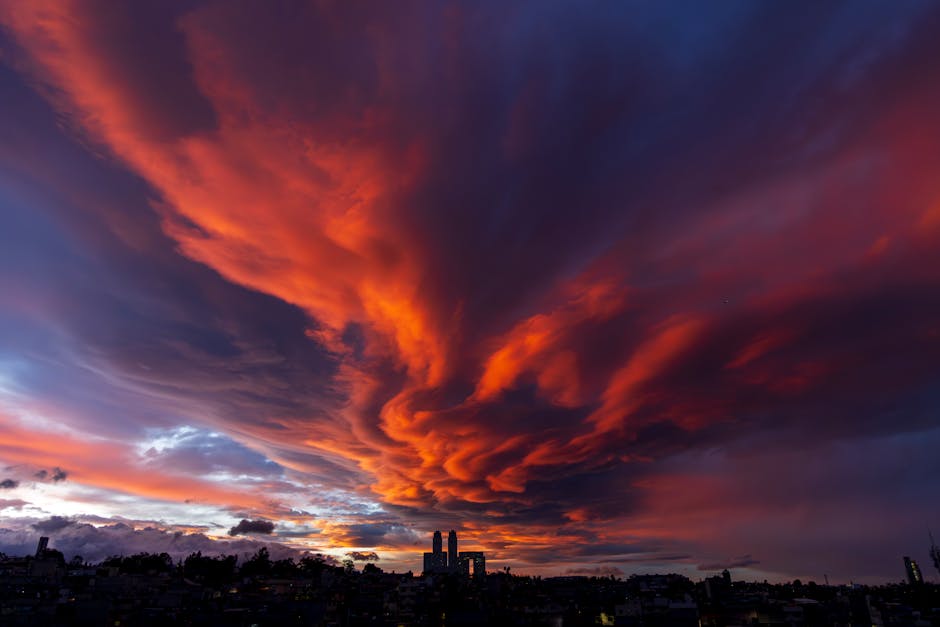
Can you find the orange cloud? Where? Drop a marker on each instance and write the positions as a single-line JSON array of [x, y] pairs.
[[622, 395], [537, 345], [111, 465]]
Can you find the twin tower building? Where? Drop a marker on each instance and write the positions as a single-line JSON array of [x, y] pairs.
[[450, 561]]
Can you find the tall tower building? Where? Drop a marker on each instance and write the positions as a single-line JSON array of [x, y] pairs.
[[452, 563], [42, 546], [913, 571], [436, 560]]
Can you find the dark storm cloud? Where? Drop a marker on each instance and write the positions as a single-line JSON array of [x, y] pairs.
[[377, 534], [9, 484], [363, 556], [580, 140], [265, 527], [651, 558], [302, 532], [56, 475], [572, 547], [53, 524]]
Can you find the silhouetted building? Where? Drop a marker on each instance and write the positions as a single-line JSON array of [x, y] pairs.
[[452, 562], [718, 587], [435, 562], [42, 546], [478, 559], [934, 552], [913, 571]]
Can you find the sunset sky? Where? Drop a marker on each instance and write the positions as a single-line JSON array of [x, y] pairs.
[[607, 287]]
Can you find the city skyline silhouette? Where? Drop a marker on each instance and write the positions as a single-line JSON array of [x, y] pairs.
[[607, 289]]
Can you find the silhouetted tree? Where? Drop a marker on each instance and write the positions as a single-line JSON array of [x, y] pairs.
[[258, 565], [141, 563], [211, 570], [54, 554], [284, 568], [313, 565]]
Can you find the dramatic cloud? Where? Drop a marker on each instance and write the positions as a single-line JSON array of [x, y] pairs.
[[361, 556], [252, 526], [636, 284], [95, 543], [9, 484], [376, 534], [53, 524]]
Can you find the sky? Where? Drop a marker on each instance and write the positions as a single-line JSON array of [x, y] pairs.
[[608, 288]]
